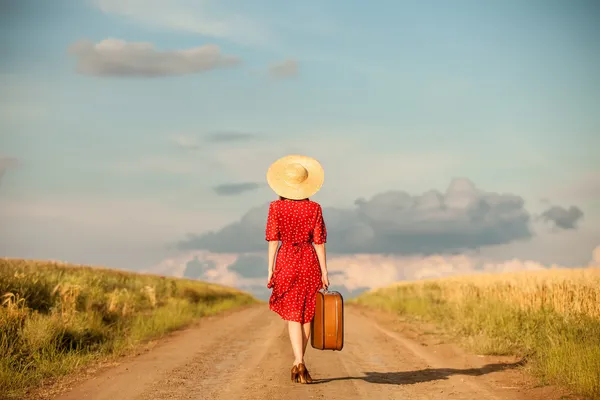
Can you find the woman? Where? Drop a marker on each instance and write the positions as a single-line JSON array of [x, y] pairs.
[[300, 269]]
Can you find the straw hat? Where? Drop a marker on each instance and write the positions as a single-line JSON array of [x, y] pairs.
[[295, 177]]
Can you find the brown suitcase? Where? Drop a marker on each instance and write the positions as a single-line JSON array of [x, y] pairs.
[[327, 327]]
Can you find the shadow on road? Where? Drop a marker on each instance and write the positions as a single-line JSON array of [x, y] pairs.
[[424, 375]]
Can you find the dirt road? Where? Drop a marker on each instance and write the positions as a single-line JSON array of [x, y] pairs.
[[246, 355]]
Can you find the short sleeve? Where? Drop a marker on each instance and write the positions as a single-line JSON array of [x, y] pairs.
[[272, 230], [320, 232]]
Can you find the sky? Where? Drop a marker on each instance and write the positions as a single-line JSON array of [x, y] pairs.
[[456, 137]]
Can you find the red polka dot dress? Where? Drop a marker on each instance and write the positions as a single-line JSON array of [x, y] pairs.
[[297, 273]]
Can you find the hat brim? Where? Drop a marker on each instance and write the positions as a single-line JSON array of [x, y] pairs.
[[303, 190]]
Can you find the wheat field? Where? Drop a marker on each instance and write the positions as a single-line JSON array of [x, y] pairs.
[[550, 317], [56, 317]]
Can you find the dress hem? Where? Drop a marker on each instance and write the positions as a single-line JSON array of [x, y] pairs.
[[292, 320]]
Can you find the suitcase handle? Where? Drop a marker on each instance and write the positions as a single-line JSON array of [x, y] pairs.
[[327, 291]]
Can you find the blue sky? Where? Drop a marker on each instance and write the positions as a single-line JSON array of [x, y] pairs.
[[114, 166]]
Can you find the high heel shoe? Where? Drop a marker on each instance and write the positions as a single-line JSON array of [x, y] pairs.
[[303, 374], [295, 375]]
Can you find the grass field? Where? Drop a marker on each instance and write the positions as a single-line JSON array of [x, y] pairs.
[[552, 318], [55, 318]]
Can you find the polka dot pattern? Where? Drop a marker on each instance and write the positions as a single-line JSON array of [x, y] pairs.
[[297, 273]]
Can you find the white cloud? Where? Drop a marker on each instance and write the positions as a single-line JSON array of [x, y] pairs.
[[360, 271], [566, 247], [114, 57], [220, 273], [194, 16], [374, 271]]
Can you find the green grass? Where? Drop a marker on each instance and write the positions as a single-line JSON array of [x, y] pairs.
[[560, 348], [56, 318]]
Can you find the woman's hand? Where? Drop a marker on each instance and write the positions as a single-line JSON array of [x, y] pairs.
[[325, 280], [269, 278]]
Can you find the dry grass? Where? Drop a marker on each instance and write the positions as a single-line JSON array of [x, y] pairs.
[[551, 317], [570, 292], [55, 318]]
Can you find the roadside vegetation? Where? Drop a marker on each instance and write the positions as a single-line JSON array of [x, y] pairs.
[[56, 318], [551, 318]]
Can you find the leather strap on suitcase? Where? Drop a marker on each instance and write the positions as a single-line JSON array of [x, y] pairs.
[[327, 327]]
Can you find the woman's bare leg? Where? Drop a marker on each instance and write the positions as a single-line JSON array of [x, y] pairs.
[[305, 337], [296, 338]]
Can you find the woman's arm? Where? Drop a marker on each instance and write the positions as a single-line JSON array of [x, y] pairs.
[[322, 256], [319, 240], [273, 244], [272, 236]]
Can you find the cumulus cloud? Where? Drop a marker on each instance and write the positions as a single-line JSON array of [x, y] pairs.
[[247, 234], [114, 57], [195, 269], [563, 218], [250, 266], [348, 274], [214, 265], [396, 222], [357, 271], [284, 69], [7, 163], [234, 189]]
